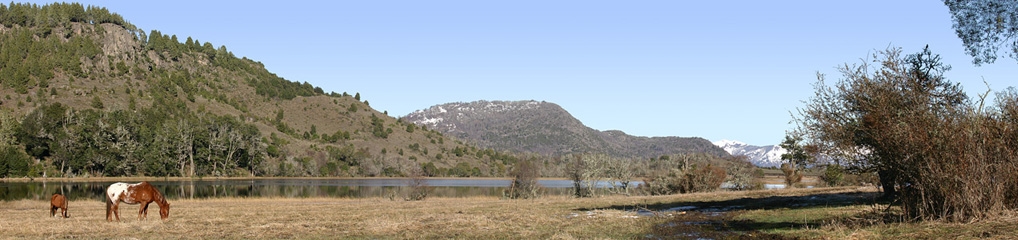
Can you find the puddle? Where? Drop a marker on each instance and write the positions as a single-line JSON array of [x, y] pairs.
[[682, 208], [709, 211]]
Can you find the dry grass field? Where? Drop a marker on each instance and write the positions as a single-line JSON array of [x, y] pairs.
[[325, 218], [825, 213]]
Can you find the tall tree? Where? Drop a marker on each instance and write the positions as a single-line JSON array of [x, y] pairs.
[[858, 118], [185, 136], [796, 158]]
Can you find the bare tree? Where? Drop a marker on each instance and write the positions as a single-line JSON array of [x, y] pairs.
[[255, 152], [595, 170], [577, 169], [524, 185], [218, 132], [234, 142], [741, 174], [185, 147], [68, 142], [619, 172], [418, 184]]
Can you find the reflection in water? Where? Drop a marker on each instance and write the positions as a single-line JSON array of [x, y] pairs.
[[286, 188], [44, 190]]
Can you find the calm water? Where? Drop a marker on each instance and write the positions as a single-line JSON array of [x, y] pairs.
[[289, 188]]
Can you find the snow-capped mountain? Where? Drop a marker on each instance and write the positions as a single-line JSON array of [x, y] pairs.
[[763, 156], [545, 128]]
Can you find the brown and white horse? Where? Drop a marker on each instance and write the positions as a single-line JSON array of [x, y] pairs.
[[58, 202], [143, 193]]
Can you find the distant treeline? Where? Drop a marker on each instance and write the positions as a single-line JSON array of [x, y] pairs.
[[58, 15]]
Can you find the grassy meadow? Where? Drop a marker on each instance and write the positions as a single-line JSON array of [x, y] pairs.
[[821, 213]]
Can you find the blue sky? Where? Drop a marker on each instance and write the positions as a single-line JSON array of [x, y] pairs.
[[712, 69]]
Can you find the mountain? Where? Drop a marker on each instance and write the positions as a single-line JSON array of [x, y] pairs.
[[763, 156], [545, 128], [87, 93]]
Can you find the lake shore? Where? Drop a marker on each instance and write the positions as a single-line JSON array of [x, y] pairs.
[[139, 179], [808, 213], [283, 187]]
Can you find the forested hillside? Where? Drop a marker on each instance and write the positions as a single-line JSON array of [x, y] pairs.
[[87, 94], [546, 128]]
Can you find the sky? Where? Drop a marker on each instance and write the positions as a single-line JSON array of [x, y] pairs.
[[735, 70]]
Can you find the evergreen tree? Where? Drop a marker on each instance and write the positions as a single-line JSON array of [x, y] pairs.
[[984, 26]]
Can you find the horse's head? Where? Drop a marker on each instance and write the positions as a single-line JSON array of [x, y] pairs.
[[164, 211]]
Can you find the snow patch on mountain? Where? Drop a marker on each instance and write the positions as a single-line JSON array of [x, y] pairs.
[[763, 156], [431, 121], [432, 116]]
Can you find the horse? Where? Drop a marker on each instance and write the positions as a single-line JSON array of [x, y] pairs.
[[58, 202], [143, 193]]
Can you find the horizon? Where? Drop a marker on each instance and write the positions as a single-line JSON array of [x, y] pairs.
[[718, 71]]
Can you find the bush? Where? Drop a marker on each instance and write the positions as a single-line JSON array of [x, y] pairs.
[[524, 184], [705, 178], [418, 184], [743, 175], [792, 175]]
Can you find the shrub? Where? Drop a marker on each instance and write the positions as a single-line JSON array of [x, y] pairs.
[[524, 185], [792, 175], [704, 178], [418, 183], [743, 175]]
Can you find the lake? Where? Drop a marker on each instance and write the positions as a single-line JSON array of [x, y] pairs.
[[275, 187]]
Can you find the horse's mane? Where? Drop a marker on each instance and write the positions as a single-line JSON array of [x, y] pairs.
[[161, 198], [157, 194]]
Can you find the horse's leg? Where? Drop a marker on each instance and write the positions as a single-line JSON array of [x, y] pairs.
[[116, 210], [52, 211], [63, 208], [143, 212]]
